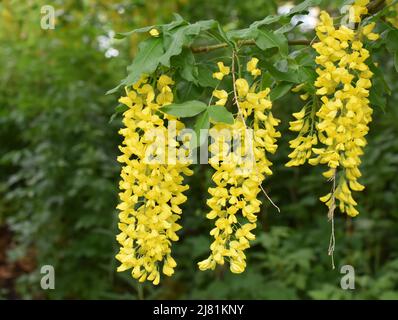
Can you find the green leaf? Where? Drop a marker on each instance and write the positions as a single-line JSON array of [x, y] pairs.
[[266, 81], [146, 61], [252, 30], [120, 108], [306, 74], [175, 40], [186, 65], [266, 39], [220, 114], [205, 76], [165, 27], [288, 27], [267, 20], [186, 109], [303, 6], [289, 76], [379, 87], [246, 33], [392, 41], [379, 80], [396, 61], [280, 90], [202, 123], [377, 99]]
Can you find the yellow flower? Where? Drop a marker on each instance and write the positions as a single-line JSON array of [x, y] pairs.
[[154, 32], [242, 87], [223, 71], [367, 31], [164, 81], [222, 95], [357, 10], [252, 67]]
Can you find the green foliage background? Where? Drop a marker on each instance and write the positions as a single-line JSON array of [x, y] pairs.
[[58, 170]]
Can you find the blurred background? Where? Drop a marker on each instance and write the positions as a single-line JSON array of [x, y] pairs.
[[59, 175]]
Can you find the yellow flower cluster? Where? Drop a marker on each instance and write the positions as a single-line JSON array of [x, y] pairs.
[[343, 86], [307, 138], [151, 187], [357, 10], [241, 166]]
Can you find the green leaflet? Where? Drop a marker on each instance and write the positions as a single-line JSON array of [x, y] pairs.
[[280, 90], [158, 51], [201, 126], [164, 27], [186, 65], [186, 109], [303, 6], [220, 114], [147, 60], [176, 39], [266, 39]]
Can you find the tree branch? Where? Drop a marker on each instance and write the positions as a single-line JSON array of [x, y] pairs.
[[300, 42], [373, 7]]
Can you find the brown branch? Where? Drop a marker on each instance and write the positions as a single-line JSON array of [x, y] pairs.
[[375, 6], [203, 49]]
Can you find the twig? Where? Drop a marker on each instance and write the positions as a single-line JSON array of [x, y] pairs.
[[375, 6], [250, 42], [332, 241]]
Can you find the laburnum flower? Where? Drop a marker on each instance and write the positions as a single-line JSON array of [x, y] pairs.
[[306, 139], [252, 67], [343, 83], [357, 10], [154, 32], [242, 87], [222, 97], [367, 31], [151, 186], [223, 71], [241, 165]]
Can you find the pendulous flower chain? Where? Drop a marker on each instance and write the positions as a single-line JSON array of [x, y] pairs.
[[341, 122], [241, 166], [151, 188], [331, 130]]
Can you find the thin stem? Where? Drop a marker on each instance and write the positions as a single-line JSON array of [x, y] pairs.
[[332, 241]]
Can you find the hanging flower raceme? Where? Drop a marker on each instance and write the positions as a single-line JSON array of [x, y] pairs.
[[304, 124], [343, 85], [238, 154], [151, 186]]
